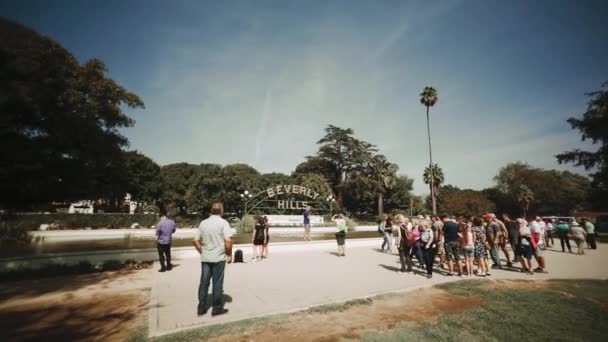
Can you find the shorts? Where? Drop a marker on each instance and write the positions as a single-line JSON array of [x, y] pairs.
[[307, 228], [480, 250], [469, 251], [526, 251], [440, 248], [452, 251], [340, 237]]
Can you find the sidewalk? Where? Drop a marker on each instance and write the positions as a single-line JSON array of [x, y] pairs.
[[302, 275]]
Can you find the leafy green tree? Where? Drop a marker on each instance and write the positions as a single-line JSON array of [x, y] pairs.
[[176, 182], [319, 166], [270, 179], [344, 154], [400, 196], [467, 203], [60, 121], [525, 196], [434, 178], [385, 174], [429, 98], [143, 181], [593, 126]]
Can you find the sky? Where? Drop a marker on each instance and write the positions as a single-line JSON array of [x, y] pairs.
[[257, 82]]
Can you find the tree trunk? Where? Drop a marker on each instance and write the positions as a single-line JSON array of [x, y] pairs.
[[428, 127], [380, 204]]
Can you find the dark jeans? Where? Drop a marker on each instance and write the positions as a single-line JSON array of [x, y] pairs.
[[591, 241], [563, 238], [215, 271], [417, 251], [164, 252], [429, 258], [406, 258]]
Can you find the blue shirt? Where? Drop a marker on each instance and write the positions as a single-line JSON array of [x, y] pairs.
[[306, 217], [450, 231], [164, 229]]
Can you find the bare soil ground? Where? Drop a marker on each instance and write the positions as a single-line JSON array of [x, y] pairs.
[[96, 307], [416, 307]]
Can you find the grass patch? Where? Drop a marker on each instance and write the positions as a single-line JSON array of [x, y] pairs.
[[339, 307]]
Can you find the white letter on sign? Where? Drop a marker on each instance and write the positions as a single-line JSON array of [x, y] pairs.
[[279, 189], [270, 192], [281, 204]]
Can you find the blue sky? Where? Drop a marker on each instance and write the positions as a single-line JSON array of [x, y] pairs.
[[257, 81]]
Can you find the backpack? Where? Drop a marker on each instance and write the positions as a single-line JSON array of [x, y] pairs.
[[238, 256]]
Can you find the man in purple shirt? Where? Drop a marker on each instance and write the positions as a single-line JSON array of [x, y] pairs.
[[164, 230]]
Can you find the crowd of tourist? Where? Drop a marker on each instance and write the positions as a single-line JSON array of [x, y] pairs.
[[468, 245]]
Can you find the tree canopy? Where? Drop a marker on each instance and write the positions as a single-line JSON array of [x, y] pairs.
[[59, 121], [593, 126]]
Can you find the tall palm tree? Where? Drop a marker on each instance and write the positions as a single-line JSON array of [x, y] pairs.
[[525, 196], [433, 176], [428, 98], [385, 174]]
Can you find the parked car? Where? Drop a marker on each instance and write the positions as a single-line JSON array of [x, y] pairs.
[[601, 226]]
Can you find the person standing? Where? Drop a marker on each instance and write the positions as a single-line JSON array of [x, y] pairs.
[[306, 216], [341, 233], [579, 235], [438, 235], [404, 233], [590, 230], [258, 238], [468, 246], [429, 247], [526, 246], [388, 234], [550, 232], [267, 239], [481, 248], [563, 229], [164, 231], [493, 230], [213, 242], [452, 244]]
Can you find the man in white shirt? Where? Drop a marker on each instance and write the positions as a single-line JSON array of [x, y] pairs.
[[537, 227], [213, 242]]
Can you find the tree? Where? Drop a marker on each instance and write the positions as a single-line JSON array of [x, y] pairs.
[[433, 176], [385, 174], [59, 121], [344, 154], [429, 98], [467, 203], [143, 177], [593, 126], [176, 182], [400, 197], [525, 196]]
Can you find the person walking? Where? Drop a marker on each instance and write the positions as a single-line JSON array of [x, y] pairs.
[[538, 235], [580, 236], [550, 232], [438, 235], [213, 242], [481, 248], [417, 248], [164, 231], [590, 230], [306, 216], [452, 245], [267, 238], [468, 246], [258, 238], [496, 231], [526, 246], [341, 233], [563, 229], [388, 234], [513, 230], [404, 234], [429, 247]]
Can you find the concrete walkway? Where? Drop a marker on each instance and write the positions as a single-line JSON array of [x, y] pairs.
[[301, 275]]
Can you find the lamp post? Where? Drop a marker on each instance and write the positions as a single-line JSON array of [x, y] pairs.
[[330, 199], [246, 196]]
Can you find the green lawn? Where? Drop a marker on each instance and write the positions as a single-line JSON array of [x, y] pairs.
[[559, 310]]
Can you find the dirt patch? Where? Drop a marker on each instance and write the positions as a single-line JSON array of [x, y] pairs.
[[415, 307], [109, 307]]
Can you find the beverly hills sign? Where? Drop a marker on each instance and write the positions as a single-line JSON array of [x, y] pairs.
[[292, 189]]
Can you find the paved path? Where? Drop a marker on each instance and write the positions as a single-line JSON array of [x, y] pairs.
[[301, 275]]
